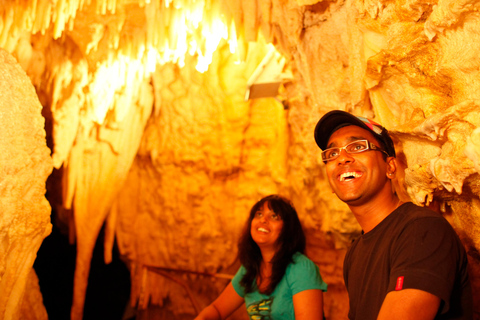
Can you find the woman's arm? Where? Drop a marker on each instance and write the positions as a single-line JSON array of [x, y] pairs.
[[226, 303], [308, 305]]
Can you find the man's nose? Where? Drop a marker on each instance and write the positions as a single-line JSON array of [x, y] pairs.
[[344, 156]]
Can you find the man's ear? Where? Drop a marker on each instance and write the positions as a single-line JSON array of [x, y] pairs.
[[391, 167]]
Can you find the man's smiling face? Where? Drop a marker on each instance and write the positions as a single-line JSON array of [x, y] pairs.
[[356, 178]]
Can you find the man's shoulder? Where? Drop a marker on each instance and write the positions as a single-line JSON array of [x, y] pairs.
[[410, 211], [420, 219], [406, 220]]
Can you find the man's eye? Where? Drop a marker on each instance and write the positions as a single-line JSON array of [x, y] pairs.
[[332, 154], [355, 147]]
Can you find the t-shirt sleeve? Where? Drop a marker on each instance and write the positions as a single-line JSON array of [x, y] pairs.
[[236, 281], [426, 258], [303, 275]]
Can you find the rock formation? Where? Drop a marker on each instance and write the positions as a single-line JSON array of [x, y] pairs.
[[151, 136], [25, 164]]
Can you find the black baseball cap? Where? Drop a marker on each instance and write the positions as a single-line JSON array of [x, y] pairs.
[[336, 119]]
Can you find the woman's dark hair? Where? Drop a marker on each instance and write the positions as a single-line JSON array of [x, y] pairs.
[[290, 241]]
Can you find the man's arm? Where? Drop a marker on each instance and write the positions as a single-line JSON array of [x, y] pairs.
[[409, 304]]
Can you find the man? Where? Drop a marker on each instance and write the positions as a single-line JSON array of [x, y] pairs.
[[408, 263]]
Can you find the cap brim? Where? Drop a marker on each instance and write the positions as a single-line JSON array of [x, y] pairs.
[[330, 122]]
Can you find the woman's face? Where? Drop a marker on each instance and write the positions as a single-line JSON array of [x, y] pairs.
[[266, 227]]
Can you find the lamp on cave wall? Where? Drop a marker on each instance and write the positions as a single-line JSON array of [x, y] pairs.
[[268, 76]]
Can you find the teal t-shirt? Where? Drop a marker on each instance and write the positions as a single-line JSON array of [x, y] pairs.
[[300, 275]]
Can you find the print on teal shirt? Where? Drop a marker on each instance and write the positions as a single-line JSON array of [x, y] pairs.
[[260, 310]]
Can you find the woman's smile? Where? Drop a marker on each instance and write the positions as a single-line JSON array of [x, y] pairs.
[[266, 227]]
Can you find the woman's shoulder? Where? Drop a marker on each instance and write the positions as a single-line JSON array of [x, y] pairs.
[[300, 259], [298, 256], [304, 274]]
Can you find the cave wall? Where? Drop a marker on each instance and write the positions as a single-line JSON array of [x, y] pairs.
[[170, 159], [25, 164]]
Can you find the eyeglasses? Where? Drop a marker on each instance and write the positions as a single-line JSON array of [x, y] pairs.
[[351, 148]]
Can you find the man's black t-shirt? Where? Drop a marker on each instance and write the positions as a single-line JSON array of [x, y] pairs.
[[413, 247]]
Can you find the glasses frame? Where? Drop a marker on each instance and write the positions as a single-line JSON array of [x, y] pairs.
[[370, 146]]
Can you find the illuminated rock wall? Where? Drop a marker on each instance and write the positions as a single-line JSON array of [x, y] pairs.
[[25, 164], [172, 159]]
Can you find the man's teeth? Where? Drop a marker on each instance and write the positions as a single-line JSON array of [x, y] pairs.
[[262, 230], [349, 175]]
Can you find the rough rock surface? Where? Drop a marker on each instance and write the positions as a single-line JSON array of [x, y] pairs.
[[25, 164]]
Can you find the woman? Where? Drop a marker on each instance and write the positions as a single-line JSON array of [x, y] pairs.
[[276, 280]]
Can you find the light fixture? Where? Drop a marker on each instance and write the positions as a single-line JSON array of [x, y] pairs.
[[268, 76]]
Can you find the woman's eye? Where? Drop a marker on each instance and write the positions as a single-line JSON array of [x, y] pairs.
[[275, 216]]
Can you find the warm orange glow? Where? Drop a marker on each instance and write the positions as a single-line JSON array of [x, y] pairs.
[[175, 27], [212, 36], [196, 28], [112, 77]]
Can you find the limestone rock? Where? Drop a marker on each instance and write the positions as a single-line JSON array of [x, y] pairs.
[[25, 164]]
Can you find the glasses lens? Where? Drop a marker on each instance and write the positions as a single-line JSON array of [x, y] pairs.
[[330, 154], [353, 147], [357, 146]]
